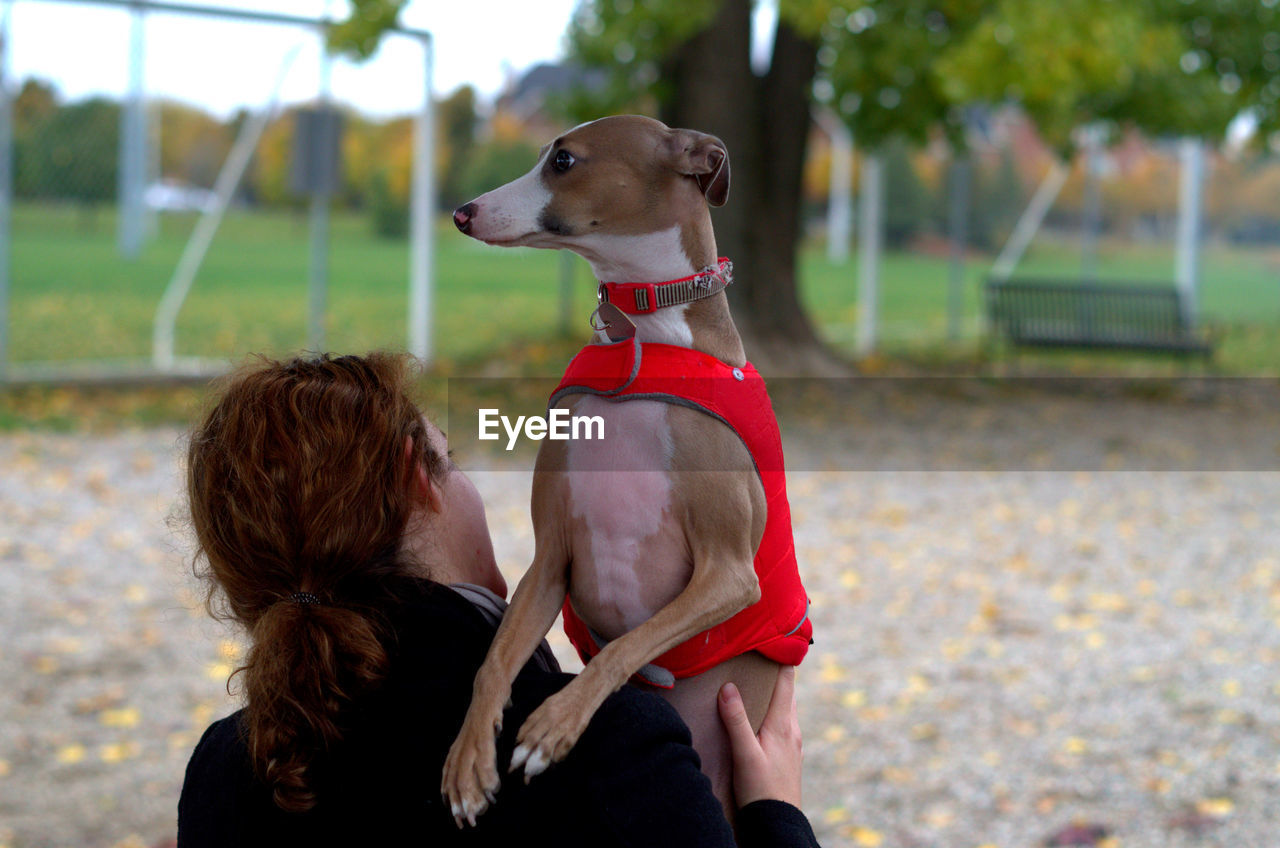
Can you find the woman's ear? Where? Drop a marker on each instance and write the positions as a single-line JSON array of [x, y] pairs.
[[424, 488]]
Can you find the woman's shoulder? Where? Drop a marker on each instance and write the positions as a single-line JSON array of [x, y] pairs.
[[443, 618], [218, 788], [221, 747]]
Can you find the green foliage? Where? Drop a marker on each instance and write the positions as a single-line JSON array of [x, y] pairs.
[[875, 62], [496, 163], [1067, 63], [808, 17], [909, 67], [631, 39], [879, 66], [1230, 63], [906, 199], [71, 153], [1187, 67], [358, 36], [457, 123], [389, 214], [36, 102], [194, 144]]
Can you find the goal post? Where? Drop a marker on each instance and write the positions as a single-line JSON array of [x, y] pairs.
[[134, 170]]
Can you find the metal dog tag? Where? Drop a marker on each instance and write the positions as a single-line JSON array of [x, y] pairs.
[[612, 324]]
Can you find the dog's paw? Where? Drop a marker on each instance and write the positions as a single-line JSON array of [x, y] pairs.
[[469, 782], [548, 734]]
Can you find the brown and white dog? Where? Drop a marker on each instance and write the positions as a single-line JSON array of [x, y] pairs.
[[651, 554]]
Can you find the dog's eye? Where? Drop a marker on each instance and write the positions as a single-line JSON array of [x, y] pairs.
[[562, 162]]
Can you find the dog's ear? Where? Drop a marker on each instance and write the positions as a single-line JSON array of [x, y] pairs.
[[705, 158]]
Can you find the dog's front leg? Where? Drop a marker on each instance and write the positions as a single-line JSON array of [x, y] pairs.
[[470, 778], [722, 538], [551, 731]]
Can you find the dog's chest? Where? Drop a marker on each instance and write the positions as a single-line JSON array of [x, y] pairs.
[[630, 557]]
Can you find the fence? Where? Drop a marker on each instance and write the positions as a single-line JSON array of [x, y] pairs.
[[154, 214], [76, 305]]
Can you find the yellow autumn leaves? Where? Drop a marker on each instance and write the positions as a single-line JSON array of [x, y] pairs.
[[126, 717], [228, 653], [112, 752], [112, 712]]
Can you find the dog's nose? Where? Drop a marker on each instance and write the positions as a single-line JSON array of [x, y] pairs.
[[463, 216]]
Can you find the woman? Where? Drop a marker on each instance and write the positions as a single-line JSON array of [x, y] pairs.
[[334, 528]]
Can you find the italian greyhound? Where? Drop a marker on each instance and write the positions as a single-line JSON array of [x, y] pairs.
[[649, 552]]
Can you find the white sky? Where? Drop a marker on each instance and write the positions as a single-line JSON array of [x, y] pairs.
[[223, 65]]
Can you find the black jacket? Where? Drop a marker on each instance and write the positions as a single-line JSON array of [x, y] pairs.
[[631, 780]]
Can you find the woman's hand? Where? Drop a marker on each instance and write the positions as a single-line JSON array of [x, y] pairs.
[[765, 765]]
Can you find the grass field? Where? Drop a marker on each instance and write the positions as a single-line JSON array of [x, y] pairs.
[[74, 298]]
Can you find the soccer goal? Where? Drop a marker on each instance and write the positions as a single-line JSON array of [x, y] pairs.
[[181, 185]]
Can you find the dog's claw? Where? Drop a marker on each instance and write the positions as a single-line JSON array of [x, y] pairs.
[[536, 765], [471, 810], [517, 758]]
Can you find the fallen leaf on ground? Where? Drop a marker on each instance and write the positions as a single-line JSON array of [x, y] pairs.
[[1080, 834]]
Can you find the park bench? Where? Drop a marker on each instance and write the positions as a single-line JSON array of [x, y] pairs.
[[1053, 314]]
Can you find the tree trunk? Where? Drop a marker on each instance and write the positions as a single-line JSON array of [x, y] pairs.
[[764, 121]]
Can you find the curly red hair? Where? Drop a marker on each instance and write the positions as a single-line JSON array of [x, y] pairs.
[[298, 482]]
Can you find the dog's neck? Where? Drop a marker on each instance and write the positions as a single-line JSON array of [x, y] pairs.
[[657, 257]]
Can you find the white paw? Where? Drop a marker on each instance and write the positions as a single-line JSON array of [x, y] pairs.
[[536, 765], [534, 760]]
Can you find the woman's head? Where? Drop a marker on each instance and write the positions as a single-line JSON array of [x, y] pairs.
[[301, 479], [321, 478]]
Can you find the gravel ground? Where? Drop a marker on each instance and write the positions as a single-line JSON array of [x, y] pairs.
[[1004, 657]]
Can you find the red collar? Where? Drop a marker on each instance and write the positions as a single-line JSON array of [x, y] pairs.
[[642, 298]]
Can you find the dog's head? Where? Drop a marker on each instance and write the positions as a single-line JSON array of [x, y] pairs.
[[625, 175]]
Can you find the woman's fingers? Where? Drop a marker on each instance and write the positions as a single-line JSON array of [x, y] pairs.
[[767, 765], [734, 715], [782, 714]]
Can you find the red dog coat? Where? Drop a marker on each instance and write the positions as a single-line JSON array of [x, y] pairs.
[[778, 625]]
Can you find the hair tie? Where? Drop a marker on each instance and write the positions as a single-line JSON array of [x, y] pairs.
[[304, 598]]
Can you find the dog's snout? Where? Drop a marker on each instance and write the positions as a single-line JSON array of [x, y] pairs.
[[463, 216]]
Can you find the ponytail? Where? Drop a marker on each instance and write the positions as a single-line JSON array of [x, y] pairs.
[[308, 661]]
